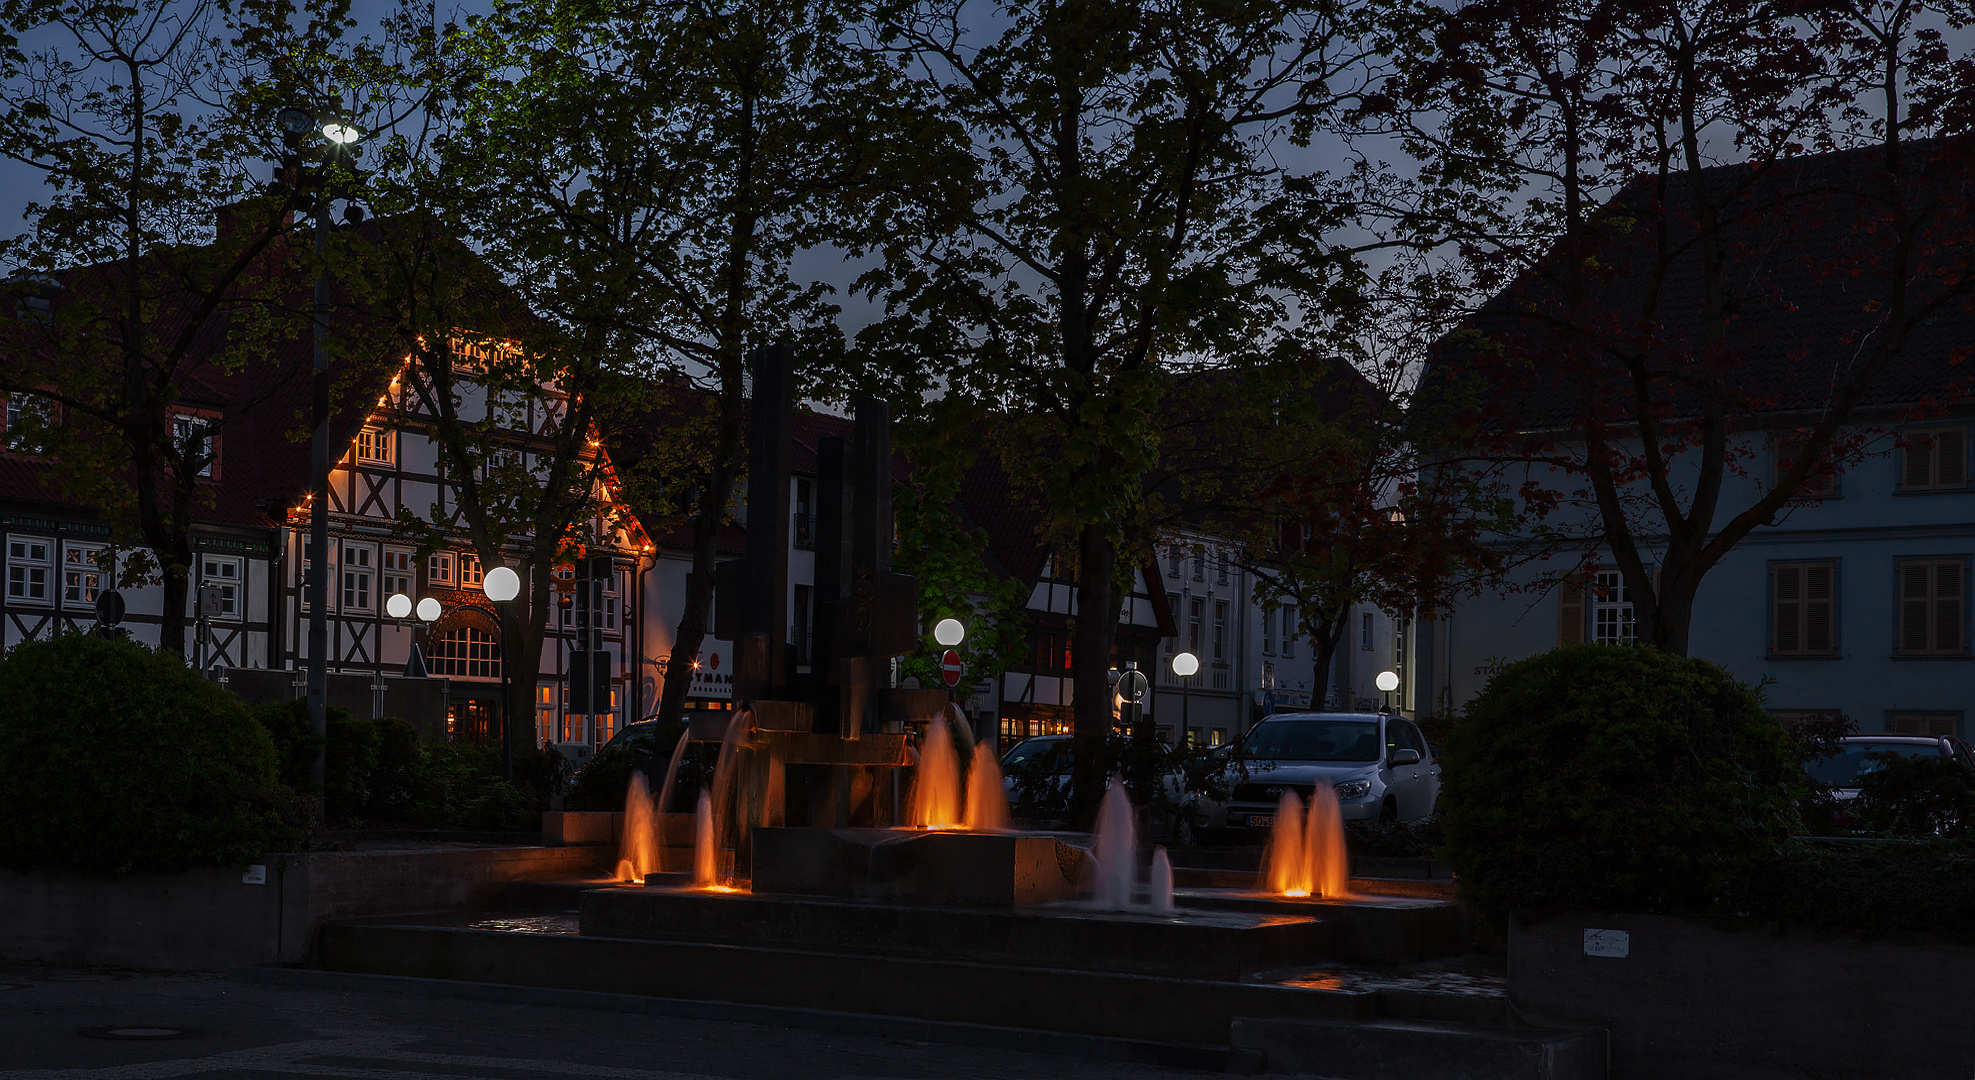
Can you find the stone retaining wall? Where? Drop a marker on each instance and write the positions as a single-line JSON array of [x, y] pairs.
[[215, 918], [1691, 1000]]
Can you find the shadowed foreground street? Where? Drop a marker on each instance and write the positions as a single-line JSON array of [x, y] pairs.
[[119, 1025]]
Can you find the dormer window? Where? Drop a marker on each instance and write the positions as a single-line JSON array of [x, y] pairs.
[[374, 447], [198, 443]]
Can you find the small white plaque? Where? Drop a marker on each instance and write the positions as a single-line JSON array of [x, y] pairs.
[[1614, 943], [257, 875]]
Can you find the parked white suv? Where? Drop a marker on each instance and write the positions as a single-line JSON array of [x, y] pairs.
[[1379, 765]]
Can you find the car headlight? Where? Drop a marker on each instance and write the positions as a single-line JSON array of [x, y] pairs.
[[1354, 789]]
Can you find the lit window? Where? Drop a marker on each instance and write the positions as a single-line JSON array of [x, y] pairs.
[[83, 574], [470, 574], [545, 712], [466, 652], [30, 566]]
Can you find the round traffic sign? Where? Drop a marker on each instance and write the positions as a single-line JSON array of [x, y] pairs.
[[109, 607], [950, 668], [1132, 686]]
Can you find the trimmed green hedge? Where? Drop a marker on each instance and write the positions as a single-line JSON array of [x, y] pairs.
[[116, 758], [1595, 776]]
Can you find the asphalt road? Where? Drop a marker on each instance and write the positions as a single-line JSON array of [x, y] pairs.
[[78, 1024]]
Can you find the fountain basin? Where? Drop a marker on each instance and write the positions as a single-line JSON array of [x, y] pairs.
[[1222, 945], [913, 866], [1370, 928]]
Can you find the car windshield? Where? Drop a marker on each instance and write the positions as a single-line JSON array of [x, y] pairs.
[[1851, 763], [1314, 740], [1039, 754]]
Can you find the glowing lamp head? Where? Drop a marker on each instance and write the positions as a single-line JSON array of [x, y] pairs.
[[1387, 681], [428, 610], [949, 632], [340, 133], [502, 584], [1186, 665], [398, 606]]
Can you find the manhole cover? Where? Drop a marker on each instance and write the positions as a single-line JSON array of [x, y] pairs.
[[136, 1033]]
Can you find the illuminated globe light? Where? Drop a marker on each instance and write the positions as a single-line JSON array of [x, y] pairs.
[[341, 134], [502, 584], [398, 606], [1387, 681], [428, 609], [1186, 665], [949, 632]]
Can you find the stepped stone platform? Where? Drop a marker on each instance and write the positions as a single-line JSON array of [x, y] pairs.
[[1377, 928], [938, 867], [1190, 945]]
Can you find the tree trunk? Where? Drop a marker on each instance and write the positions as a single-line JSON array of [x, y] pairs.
[[1091, 640], [692, 628]]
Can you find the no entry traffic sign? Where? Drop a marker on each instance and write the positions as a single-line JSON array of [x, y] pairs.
[[950, 668]]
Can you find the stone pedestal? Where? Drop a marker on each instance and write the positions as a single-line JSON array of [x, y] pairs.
[[973, 869]]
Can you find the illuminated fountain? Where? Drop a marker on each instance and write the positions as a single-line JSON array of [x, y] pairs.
[[936, 798], [987, 801], [638, 848], [1306, 855]]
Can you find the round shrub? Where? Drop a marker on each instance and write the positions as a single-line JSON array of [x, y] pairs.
[[1596, 776], [115, 758]]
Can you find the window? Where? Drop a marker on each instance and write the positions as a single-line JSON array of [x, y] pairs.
[[1269, 632], [1217, 736], [439, 569], [1924, 723], [1289, 631], [223, 574], [1803, 613], [1570, 608], [1173, 556], [1221, 569], [20, 410], [805, 518], [1933, 607], [1200, 565], [545, 712], [470, 573], [1365, 631], [1611, 609], [1052, 652], [195, 438], [1822, 483], [374, 447], [397, 573], [1934, 459], [84, 569], [467, 652], [607, 616], [30, 565], [356, 578], [1196, 616], [1220, 631]]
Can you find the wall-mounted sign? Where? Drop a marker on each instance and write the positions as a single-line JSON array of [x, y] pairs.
[[711, 682]]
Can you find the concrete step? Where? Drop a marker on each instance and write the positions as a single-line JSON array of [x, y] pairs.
[[1110, 1004], [1224, 945], [1420, 1050], [1370, 928]]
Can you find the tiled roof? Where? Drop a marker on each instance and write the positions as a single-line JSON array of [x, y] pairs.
[[1809, 243]]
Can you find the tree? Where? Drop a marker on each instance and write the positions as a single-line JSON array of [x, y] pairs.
[[1648, 287], [154, 272], [1129, 221], [680, 155]]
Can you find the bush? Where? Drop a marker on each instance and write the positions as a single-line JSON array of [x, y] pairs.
[[1914, 796], [1628, 778], [118, 759], [1866, 887], [295, 742], [1394, 838]]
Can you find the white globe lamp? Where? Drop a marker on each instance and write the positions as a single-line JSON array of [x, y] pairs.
[[949, 632], [398, 606], [502, 584]]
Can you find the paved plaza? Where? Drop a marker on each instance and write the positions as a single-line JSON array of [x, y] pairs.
[[100, 1024]]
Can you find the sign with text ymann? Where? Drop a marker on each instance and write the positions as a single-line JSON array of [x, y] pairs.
[[713, 678]]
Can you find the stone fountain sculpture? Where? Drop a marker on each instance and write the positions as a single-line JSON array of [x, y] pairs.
[[817, 785]]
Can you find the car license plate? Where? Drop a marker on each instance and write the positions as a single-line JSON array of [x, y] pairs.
[[1261, 821]]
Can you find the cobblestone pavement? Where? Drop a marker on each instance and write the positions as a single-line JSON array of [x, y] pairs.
[[100, 1024]]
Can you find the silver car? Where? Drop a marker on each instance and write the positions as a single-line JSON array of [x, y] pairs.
[[1379, 765]]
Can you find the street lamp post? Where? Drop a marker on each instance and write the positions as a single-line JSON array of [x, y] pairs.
[[1186, 666], [501, 585], [294, 124]]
